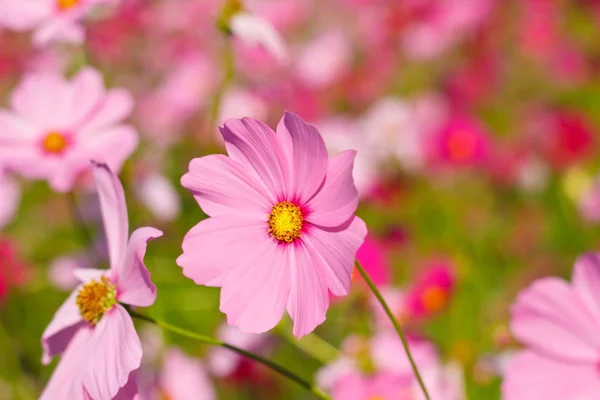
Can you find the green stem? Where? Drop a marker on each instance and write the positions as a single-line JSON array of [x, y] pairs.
[[275, 367], [396, 325], [311, 344]]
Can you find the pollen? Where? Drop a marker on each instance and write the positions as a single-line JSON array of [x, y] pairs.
[[95, 299], [285, 222], [433, 299], [55, 143], [66, 4]]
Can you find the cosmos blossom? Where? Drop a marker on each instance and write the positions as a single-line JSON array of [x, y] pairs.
[[94, 333], [282, 230], [51, 20], [10, 199], [184, 378], [57, 126], [559, 323]]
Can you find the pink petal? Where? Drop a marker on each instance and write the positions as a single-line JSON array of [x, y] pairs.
[[85, 275], [66, 381], [15, 129], [134, 284], [334, 251], [111, 146], [217, 246], [184, 378], [114, 213], [88, 93], [65, 323], [336, 202], [114, 352], [117, 105], [306, 154], [254, 294], [130, 390], [10, 199], [255, 146], [586, 282], [531, 376], [308, 300], [549, 317], [44, 99], [58, 29], [223, 186]]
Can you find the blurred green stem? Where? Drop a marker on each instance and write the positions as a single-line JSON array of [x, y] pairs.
[[396, 325], [311, 344], [268, 363]]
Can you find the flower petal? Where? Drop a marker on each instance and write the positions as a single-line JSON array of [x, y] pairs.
[[254, 294], [15, 129], [334, 251], [10, 199], [337, 200], [117, 105], [114, 352], [306, 154], [65, 323], [111, 146], [549, 317], [308, 300], [134, 284], [532, 376], [586, 281], [114, 213], [88, 94], [217, 246], [185, 378], [223, 186], [255, 146], [85, 275], [66, 381]]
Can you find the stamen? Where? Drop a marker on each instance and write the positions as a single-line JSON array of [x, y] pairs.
[[95, 299], [66, 4], [285, 222]]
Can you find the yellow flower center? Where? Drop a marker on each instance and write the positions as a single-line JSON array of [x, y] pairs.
[[66, 4], [285, 222], [55, 143], [376, 398], [433, 298], [96, 298]]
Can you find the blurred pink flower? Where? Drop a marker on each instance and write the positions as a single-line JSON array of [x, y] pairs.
[[282, 224], [56, 127], [157, 193], [589, 203], [184, 378], [378, 386], [239, 103], [283, 14], [559, 323], [332, 49], [374, 258], [431, 291], [51, 20], [13, 271], [100, 347], [462, 141], [254, 30], [225, 363], [10, 198], [62, 270]]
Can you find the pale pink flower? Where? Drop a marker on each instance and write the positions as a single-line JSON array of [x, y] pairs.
[[92, 330], [158, 195], [253, 30], [239, 103], [224, 362], [559, 323], [282, 230], [184, 378], [589, 203], [56, 127], [10, 198], [333, 51], [51, 20], [62, 270]]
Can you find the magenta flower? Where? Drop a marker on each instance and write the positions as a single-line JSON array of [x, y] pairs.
[[56, 127], [560, 325], [282, 230], [51, 20], [94, 333]]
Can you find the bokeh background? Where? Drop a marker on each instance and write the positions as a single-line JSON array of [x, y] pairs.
[[476, 124]]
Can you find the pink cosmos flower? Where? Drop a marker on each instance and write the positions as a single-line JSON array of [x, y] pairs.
[[92, 330], [13, 271], [373, 256], [282, 230], [333, 51], [560, 325], [432, 290], [56, 127], [589, 203], [50, 19], [253, 30], [10, 199], [184, 378]]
